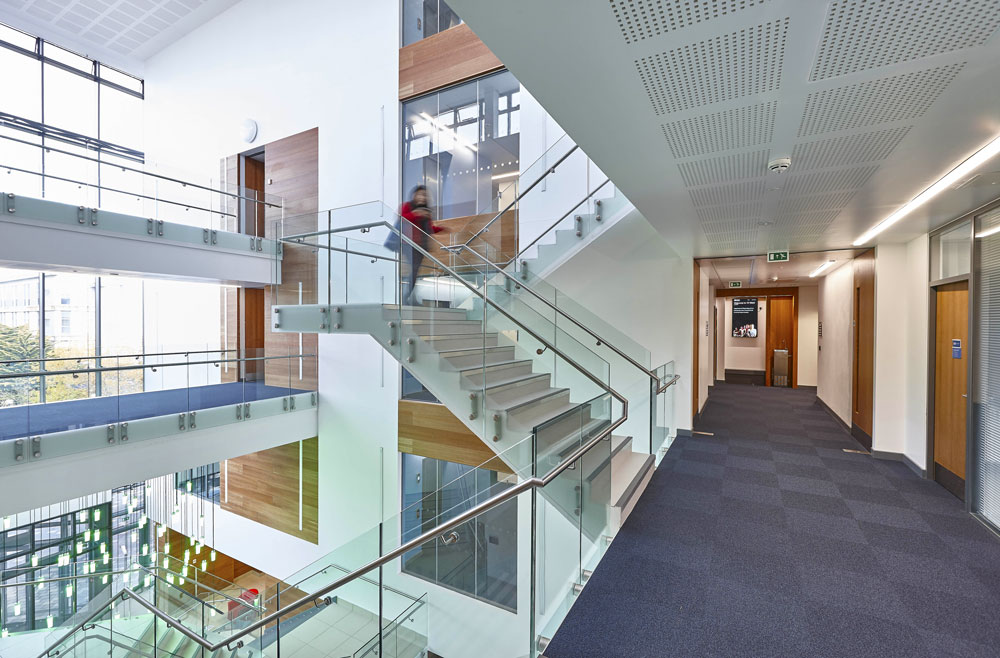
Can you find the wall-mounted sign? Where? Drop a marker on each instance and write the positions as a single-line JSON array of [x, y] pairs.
[[956, 348], [735, 284], [777, 257], [745, 317]]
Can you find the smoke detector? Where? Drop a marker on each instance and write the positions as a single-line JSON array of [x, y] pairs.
[[779, 165]]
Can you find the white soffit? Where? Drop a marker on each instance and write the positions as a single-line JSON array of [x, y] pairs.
[[683, 102]]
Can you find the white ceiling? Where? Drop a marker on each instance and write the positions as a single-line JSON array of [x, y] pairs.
[[683, 102], [122, 33], [757, 272]]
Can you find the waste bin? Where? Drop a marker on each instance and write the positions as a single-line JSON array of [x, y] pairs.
[[779, 369]]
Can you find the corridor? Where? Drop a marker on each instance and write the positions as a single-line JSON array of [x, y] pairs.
[[767, 539]]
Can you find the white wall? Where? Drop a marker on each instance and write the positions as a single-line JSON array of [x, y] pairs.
[[746, 353], [917, 337], [808, 340], [629, 271], [889, 406], [835, 356]]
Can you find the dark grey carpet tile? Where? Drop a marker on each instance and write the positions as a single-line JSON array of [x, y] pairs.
[[887, 515], [905, 540], [816, 503], [807, 485], [824, 525], [767, 539], [873, 495]]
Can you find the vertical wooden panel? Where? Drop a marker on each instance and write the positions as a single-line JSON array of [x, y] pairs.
[[253, 182], [950, 382], [864, 345], [265, 487], [291, 171], [444, 59], [231, 330], [780, 328], [224, 568]]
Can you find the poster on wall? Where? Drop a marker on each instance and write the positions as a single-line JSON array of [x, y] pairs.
[[745, 317]]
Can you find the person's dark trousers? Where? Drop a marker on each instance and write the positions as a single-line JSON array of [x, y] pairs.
[[411, 258]]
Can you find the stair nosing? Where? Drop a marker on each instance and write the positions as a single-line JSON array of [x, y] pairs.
[[480, 366], [626, 496], [548, 394], [517, 380]]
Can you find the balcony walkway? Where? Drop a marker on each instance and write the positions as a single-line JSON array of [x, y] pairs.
[[39, 419], [767, 539]]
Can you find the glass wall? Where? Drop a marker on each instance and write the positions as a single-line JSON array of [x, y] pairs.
[[80, 315], [87, 541], [423, 18], [986, 372], [478, 558], [73, 118], [463, 143]]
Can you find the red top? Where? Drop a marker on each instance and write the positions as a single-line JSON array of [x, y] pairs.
[[423, 223]]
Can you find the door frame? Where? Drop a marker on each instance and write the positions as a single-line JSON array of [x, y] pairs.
[[782, 291], [971, 363]]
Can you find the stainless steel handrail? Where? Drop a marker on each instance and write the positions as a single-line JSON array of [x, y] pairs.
[[143, 172], [85, 371], [557, 222], [319, 597], [530, 483], [138, 195], [670, 382], [114, 356], [510, 205]]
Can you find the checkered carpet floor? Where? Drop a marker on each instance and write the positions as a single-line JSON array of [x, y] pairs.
[[768, 540]]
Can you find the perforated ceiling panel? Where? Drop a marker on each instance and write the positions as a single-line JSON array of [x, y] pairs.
[[745, 226], [730, 212], [896, 98], [815, 218], [729, 66], [864, 34], [721, 131], [820, 182], [849, 149], [645, 19], [718, 195], [795, 206], [725, 168], [121, 26]]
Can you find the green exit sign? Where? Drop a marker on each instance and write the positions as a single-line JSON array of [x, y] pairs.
[[735, 284], [777, 257]]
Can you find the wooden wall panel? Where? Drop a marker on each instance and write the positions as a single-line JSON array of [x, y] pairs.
[[264, 487], [291, 171], [500, 241], [864, 344], [224, 567], [431, 430], [230, 330], [446, 58]]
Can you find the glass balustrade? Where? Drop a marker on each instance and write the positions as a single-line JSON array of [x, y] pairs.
[[82, 177], [89, 400]]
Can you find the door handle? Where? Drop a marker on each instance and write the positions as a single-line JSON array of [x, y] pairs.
[[965, 395]]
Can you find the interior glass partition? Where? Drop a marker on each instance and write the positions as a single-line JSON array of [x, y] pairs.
[[986, 370], [424, 18]]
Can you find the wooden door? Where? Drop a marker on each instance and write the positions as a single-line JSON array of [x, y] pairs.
[[715, 342], [780, 333], [863, 388], [951, 363]]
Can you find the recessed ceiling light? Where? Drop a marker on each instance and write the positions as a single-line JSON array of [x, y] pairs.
[[819, 270], [943, 183]]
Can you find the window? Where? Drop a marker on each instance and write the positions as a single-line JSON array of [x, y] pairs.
[[424, 18], [463, 143], [63, 114], [478, 558]]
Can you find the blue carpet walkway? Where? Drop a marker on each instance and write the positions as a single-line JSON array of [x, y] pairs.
[[36, 419], [768, 540]]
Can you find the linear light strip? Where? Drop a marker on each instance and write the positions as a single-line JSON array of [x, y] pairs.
[[822, 268], [943, 183]]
